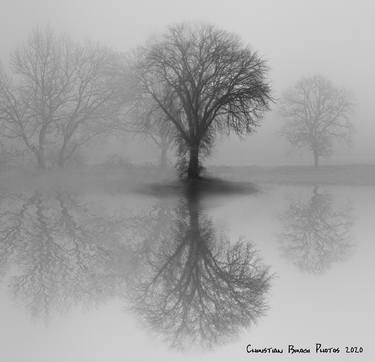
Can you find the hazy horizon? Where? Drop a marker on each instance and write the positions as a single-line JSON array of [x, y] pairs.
[[296, 38], [108, 254]]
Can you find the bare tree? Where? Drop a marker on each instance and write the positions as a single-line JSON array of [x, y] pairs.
[[8, 155], [163, 137], [59, 97], [146, 119], [317, 114], [205, 81]]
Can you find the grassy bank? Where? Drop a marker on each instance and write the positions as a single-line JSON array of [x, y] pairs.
[[125, 179]]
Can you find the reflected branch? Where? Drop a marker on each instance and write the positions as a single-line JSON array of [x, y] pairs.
[[57, 253], [197, 287], [316, 234]]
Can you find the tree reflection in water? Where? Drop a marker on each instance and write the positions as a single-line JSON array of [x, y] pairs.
[[316, 234], [58, 253], [170, 265], [197, 287]]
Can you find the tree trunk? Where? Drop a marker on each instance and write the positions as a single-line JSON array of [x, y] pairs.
[[40, 150], [316, 159], [193, 168], [40, 159], [163, 157], [192, 199], [61, 159]]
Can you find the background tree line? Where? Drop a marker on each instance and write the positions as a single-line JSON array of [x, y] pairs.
[[181, 90], [59, 96]]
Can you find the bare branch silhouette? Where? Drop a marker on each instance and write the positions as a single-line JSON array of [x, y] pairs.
[[197, 288], [205, 82], [60, 97], [317, 114]]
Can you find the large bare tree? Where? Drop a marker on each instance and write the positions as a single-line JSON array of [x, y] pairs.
[[58, 97], [205, 81], [317, 113]]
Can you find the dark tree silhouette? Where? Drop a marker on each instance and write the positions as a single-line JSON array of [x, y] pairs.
[[197, 287], [206, 82], [317, 114], [316, 235]]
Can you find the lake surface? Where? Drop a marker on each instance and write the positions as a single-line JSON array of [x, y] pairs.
[[120, 276]]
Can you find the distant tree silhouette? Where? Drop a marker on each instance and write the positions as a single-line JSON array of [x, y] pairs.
[[317, 114], [146, 119], [59, 97]]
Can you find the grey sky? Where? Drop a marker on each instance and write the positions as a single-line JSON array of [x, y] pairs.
[[334, 38]]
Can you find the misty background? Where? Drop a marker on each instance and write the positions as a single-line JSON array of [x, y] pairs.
[[120, 259], [297, 38]]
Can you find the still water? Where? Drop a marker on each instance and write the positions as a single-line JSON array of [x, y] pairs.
[[119, 276]]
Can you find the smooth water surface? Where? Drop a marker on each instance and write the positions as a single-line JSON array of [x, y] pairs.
[[117, 276]]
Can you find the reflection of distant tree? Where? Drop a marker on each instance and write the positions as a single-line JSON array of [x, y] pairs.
[[196, 287], [315, 233], [57, 252]]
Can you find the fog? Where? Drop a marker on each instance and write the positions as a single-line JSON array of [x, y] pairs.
[[148, 210], [297, 38]]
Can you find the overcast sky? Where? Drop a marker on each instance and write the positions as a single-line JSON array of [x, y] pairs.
[[334, 38]]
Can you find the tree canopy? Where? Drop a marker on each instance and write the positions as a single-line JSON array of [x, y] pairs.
[[59, 97], [316, 113], [206, 82]]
